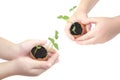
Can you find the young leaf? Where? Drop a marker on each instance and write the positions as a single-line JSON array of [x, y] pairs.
[[56, 34], [56, 46], [65, 17], [72, 8], [60, 17], [51, 40], [74, 28]]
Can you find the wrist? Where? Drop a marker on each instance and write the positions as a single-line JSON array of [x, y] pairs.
[[116, 22], [7, 69]]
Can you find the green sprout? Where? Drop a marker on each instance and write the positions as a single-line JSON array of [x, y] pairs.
[[37, 47], [52, 40], [71, 9], [56, 34], [74, 28], [64, 17]]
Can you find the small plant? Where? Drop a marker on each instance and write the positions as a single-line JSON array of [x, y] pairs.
[[71, 9], [65, 17], [76, 29], [40, 52], [53, 40]]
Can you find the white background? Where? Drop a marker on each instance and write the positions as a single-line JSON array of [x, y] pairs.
[[36, 19]]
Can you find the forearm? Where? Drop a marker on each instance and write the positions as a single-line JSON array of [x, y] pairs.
[[117, 23], [86, 5], [6, 69], [7, 49]]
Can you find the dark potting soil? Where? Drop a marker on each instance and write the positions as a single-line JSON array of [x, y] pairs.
[[76, 29], [39, 52]]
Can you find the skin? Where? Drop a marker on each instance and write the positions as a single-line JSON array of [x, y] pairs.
[[105, 29], [19, 61], [79, 15]]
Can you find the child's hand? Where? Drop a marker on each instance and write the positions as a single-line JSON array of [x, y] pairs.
[[29, 67], [26, 66], [26, 46], [105, 29], [76, 17]]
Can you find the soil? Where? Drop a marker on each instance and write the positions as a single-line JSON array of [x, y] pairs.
[[39, 52], [76, 29]]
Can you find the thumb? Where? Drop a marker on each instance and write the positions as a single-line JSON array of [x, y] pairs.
[[90, 20], [29, 44]]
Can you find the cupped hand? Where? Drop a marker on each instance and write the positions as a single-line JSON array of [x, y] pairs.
[[29, 67], [105, 29], [76, 17], [26, 46]]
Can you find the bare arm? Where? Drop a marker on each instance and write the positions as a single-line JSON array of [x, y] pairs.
[[86, 5], [7, 49], [6, 69]]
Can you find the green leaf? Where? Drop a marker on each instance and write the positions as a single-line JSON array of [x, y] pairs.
[[60, 17], [51, 40], [37, 47], [56, 46], [71, 9], [73, 29], [65, 17], [56, 34]]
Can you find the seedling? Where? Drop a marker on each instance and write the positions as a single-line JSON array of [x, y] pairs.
[[53, 40], [71, 9], [64, 17], [76, 29], [40, 52]]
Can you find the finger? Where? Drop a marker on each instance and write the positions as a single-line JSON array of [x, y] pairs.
[[52, 50], [90, 20], [52, 59], [88, 27], [40, 64], [36, 42], [31, 43], [86, 42], [36, 72], [86, 36], [67, 30]]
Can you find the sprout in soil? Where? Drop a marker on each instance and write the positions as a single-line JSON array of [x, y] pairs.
[[76, 29], [40, 52]]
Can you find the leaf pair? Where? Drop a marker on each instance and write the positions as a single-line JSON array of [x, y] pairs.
[[52, 40], [64, 17]]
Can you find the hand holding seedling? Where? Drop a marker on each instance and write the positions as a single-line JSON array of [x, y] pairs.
[[105, 29], [20, 62], [74, 27], [79, 15], [26, 66], [40, 52]]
